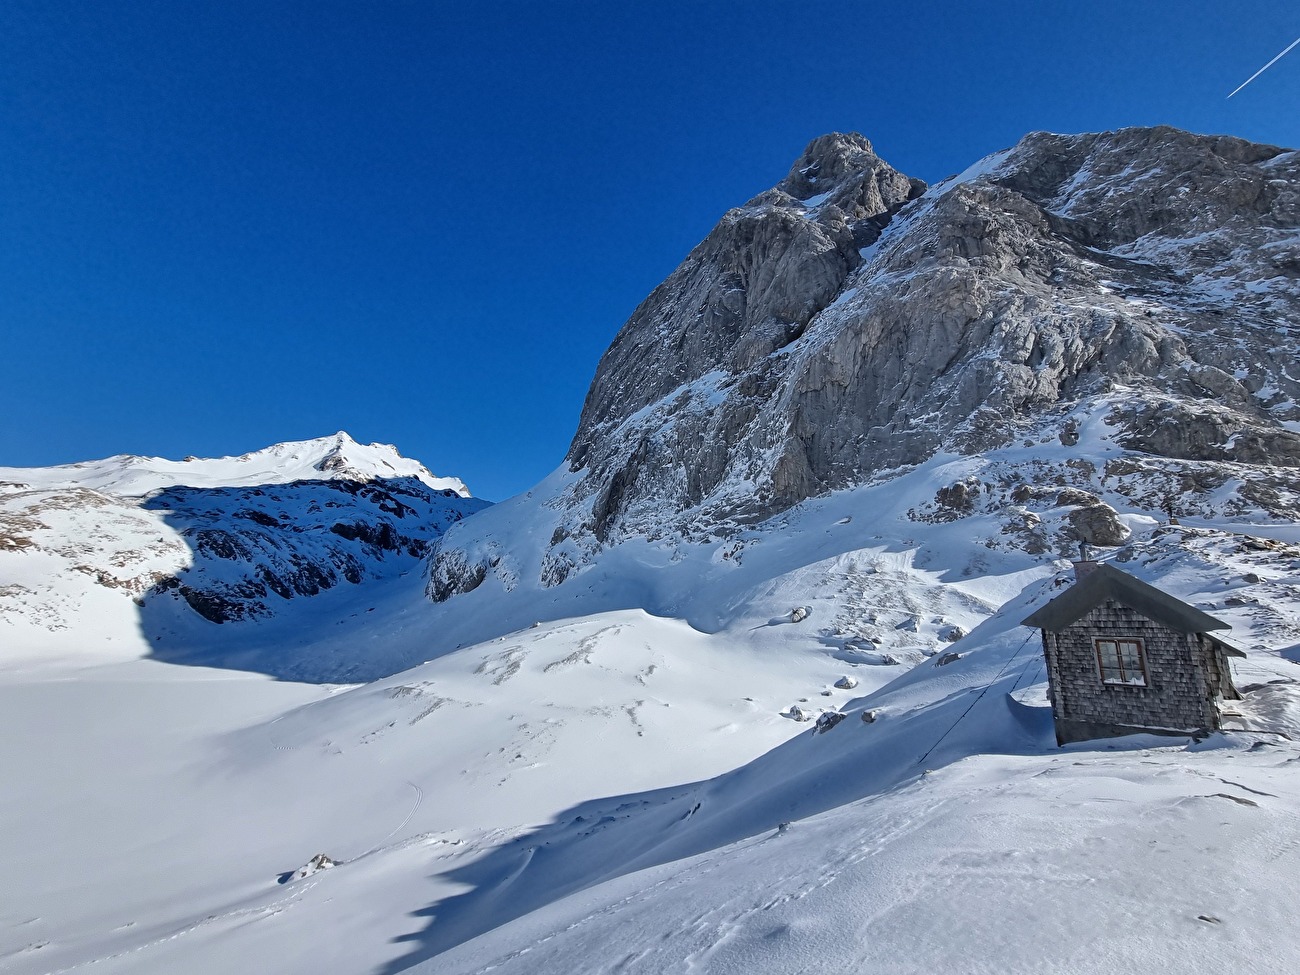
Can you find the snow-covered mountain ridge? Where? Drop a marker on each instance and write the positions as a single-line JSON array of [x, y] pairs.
[[338, 457], [229, 538]]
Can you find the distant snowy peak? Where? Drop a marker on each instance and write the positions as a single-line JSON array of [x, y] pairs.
[[337, 457], [227, 538], [345, 458]]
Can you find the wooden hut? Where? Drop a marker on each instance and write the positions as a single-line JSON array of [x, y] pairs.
[[1124, 657]]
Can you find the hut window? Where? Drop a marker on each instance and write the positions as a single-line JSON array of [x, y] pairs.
[[1122, 662]]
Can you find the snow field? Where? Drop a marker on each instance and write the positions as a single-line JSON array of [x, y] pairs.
[[1081, 863], [605, 790]]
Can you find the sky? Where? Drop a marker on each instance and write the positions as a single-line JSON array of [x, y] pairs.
[[229, 224]]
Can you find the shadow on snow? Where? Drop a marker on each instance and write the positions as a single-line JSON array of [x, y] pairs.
[[280, 573], [604, 839]]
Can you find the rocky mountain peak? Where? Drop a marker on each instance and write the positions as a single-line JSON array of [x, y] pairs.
[[826, 161], [848, 324], [843, 170], [751, 287]]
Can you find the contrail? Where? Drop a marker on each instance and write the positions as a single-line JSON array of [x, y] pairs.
[[1265, 68]]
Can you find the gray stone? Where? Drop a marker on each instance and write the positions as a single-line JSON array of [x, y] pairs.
[[1098, 524], [452, 573], [959, 497], [1070, 496], [828, 720]]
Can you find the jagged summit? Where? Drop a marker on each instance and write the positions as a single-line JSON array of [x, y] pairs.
[[844, 170], [828, 158], [752, 286]]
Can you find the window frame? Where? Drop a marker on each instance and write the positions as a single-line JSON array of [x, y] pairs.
[[1116, 641]]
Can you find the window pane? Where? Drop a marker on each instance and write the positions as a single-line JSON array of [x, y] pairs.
[[1108, 658], [1121, 662], [1130, 657]]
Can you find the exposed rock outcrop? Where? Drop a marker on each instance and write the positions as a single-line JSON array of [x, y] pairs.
[[793, 353], [1098, 524], [297, 539]]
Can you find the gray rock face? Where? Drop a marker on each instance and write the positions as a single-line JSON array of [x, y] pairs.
[[752, 286], [800, 349], [1141, 285], [255, 546]]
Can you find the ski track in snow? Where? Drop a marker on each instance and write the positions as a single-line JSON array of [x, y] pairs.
[[415, 804]]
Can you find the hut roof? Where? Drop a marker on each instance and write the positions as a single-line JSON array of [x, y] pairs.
[[1105, 582]]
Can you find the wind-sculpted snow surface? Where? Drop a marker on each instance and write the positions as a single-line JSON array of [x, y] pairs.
[[788, 357], [1099, 862]]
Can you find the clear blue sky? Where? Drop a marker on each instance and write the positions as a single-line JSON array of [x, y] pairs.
[[227, 224]]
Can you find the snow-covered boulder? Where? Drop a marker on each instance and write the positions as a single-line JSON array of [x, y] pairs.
[[828, 720], [317, 863]]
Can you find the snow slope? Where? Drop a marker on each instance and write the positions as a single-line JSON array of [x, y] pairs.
[[1135, 859], [605, 790]]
